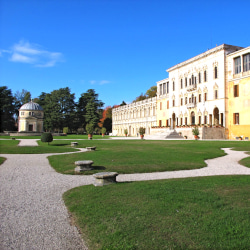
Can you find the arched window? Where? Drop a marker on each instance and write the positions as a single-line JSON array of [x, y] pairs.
[[215, 72]]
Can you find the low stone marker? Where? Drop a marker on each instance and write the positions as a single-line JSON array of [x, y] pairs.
[[105, 178], [74, 144], [91, 148], [83, 166]]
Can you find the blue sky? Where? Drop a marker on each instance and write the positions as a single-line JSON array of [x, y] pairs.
[[120, 48]]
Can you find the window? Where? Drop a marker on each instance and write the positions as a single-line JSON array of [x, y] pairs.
[[216, 94], [186, 82], [186, 100], [199, 119], [173, 87], [164, 88], [236, 90], [189, 81], [160, 89], [190, 100], [173, 103], [186, 120], [236, 118], [237, 65], [246, 62], [199, 77], [192, 81], [159, 123], [205, 119], [22, 113], [167, 123], [167, 87], [195, 100], [160, 105], [167, 104], [205, 96], [181, 101], [205, 76], [215, 72], [181, 84], [199, 97]]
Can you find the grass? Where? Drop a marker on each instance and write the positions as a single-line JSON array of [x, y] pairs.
[[192, 213], [11, 147], [141, 156], [85, 137]]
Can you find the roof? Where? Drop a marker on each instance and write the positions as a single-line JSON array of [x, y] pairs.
[[31, 106]]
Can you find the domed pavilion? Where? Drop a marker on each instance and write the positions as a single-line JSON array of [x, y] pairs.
[[30, 119]]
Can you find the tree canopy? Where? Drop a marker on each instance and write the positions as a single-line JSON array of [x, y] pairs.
[[7, 109], [151, 92]]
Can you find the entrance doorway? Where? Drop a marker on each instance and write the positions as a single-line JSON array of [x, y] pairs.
[[30, 127], [173, 119], [216, 116], [192, 118]]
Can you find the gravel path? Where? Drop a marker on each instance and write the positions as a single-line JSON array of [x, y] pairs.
[[33, 214]]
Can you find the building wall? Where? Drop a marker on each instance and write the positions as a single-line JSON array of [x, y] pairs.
[[30, 121], [193, 97], [238, 91], [206, 98], [133, 116]]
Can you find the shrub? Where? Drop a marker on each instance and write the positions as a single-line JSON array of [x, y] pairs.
[[125, 131], [142, 131], [90, 128], [47, 137], [104, 130]]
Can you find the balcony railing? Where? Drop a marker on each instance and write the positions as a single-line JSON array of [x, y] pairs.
[[191, 105], [192, 87]]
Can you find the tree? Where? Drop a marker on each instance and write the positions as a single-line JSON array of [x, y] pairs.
[[22, 97], [152, 92], [8, 109], [123, 103], [87, 106], [59, 109], [140, 98]]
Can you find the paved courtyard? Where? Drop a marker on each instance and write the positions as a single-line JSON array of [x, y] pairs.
[[32, 212]]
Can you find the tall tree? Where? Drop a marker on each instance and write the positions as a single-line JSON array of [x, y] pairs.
[[151, 92], [7, 109], [141, 97], [88, 107], [22, 97], [106, 120], [59, 109]]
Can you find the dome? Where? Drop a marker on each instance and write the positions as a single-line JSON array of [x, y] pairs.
[[31, 106]]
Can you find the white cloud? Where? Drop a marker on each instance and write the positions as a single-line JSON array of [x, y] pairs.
[[102, 82], [25, 52]]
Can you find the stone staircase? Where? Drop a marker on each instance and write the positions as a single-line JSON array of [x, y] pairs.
[[173, 135]]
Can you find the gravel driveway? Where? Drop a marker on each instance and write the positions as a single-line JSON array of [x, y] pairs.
[[33, 214]]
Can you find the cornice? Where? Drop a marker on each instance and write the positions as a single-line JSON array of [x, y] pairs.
[[204, 54]]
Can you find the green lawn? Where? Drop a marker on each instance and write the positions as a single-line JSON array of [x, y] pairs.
[[11, 147], [142, 156], [85, 137], [192, 213]]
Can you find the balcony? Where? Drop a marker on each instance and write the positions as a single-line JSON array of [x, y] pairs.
[[191, 105], [192, 87]]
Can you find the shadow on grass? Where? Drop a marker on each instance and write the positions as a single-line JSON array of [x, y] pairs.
[[59, 144], [98, 168]]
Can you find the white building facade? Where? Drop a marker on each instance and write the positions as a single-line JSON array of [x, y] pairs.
[[133, 116], [195, 89]]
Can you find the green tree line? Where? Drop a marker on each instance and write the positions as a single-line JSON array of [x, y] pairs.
[[60, 110]]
